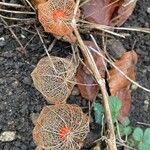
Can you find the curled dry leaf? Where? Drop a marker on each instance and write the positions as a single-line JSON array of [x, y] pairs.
[[123, 12], [90, 88], [98, 11], [124, 95], [56, 16], [119, 84], [61, 127], [108, 12]]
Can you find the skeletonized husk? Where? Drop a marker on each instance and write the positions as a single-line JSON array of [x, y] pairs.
[[55, 84], [52, 119]]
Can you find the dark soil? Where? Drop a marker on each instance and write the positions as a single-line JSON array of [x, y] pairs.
[[20, 101]]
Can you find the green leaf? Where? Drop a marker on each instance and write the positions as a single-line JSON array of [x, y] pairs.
[[131, 142], [146, 138], [98, 112], [115, 105], [121, 129], [127, 130], [143, 146], [126, 121], [124, 130], [137, 134]]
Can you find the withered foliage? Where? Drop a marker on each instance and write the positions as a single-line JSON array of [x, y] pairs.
[[123, 12], [85, 81], [108, 12], [119, 84]]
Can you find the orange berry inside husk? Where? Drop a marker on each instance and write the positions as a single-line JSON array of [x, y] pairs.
[[63, 133], [57, 14]]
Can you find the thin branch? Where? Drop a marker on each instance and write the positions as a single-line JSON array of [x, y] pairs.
[[138, 85], [30, 4], [30, 40], [45, 48], [122, 144], [18, 19], [142, 123], [11, 5], [100, 27], [51, 46], [86, 53], [108, 28], [15, 36], [17, 12]]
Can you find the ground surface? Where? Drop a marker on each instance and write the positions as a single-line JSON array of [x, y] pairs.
[[20, 101]]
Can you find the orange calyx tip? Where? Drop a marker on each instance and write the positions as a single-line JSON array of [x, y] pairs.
[[58, 14], [63, 133]]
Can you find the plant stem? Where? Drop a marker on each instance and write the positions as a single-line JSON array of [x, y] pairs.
[[86, 53]]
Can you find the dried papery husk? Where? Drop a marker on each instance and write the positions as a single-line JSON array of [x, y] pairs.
[[54, 78], [37, 2], [56, 16], [61, 127]]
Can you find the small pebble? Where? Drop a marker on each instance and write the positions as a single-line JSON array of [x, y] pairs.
[[144, 71], [22, 36], [148, 10], [34, 117], [8, 136], [2, 42], [75, 91], [146, 105], [1, 81], [148, 68], [27, 81], [10, 93], [134, 87], [15, 84]]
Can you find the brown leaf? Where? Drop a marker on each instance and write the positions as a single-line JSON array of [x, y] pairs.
[[119, 85], [125, 96], [90, 89], [98, 11], [108, 12], [124, 11]]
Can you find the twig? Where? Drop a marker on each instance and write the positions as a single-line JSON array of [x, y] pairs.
[[142, 123], [100, 27], [138, 85], [107, 28], [30, 40], [45, 48], [11, 5], [86, 53], [30, 4], [51, 46], [122, 144], [18, 19], [83, 3], [12, 32], [17, 12]]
